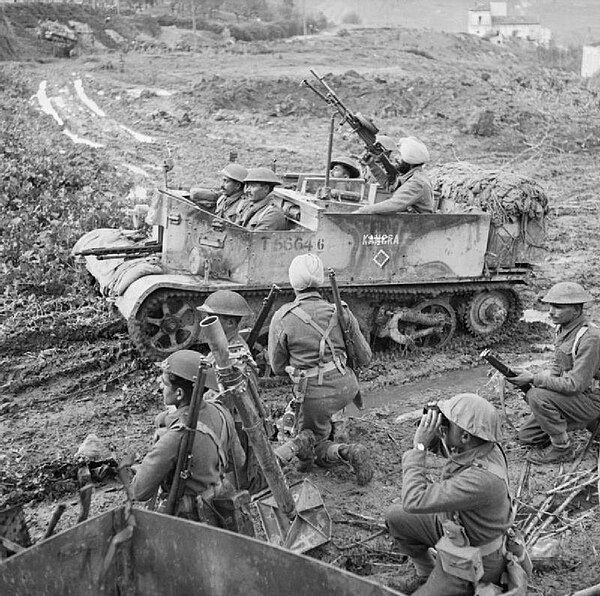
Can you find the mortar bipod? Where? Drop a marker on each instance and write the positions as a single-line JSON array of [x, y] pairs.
[[294, 519]]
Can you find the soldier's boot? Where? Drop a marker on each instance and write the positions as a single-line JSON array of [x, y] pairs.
[[554, 454], [358, 457], [301, 446]]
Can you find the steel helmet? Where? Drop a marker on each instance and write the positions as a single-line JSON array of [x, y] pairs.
[[226, 302], [349, 163], [185, 364], [235, 171], [474, 414], [567, 292], [387, 143], [413, 150], [264, 175]]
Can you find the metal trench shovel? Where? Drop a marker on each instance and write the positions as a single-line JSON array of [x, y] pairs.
[[310, 527], [294, 518]]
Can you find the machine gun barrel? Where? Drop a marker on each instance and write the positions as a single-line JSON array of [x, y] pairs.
[[119, 250], [362, 126]]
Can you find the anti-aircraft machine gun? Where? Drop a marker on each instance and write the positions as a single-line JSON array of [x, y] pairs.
[[362, 126]]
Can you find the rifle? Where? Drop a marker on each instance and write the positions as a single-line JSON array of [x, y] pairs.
[[262, 316], [352, 360], [184, 455], [361, 125], [501, 367]]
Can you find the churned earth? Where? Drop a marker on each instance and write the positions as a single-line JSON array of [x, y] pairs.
[[69, 374]]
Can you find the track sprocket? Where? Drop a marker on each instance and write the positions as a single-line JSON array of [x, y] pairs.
[[487, 312], [166, 321]]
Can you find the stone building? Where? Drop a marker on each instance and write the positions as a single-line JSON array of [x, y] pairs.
[[590, 60], [494, 21]]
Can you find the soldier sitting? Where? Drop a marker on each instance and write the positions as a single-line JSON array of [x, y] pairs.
[[469, 506], [567, 396], [216, 445], [413, 191], [226, 202], [258, 211]]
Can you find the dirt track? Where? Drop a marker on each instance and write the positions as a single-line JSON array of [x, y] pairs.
[[428, 84]]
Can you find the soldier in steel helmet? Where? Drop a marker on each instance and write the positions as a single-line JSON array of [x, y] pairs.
[[345, 167], [230, 308], [258, 211], [413, 192], [567, 396], [224, 202], [306, 343], [216, 446], [469, 506], [232, 191]]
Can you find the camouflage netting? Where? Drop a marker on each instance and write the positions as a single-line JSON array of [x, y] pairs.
[[507, 196]]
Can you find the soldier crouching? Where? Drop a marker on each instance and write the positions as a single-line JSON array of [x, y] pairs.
[[306, 342], [469, 507]]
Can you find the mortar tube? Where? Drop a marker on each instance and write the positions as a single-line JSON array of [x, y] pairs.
[[234, 381]]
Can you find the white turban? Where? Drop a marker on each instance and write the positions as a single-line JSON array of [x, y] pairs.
[[306, 271], [413, 150]]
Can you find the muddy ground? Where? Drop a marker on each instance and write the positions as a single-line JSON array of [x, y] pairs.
[[246, 97]]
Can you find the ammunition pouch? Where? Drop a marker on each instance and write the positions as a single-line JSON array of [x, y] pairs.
[[460, 561], [224, 507]]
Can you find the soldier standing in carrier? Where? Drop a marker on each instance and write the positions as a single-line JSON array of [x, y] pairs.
[[413, 190], [470, 506], [567, 397], [306, 342]]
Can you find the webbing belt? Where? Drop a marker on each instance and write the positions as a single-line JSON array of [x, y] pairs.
[[325, 341]]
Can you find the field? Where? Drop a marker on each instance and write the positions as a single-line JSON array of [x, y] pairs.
[[67, 366]]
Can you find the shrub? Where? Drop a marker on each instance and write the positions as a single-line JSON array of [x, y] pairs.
[[51, 192], [351, 18]]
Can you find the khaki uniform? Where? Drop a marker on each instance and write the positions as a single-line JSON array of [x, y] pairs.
[[260, 216], [414, 194], [317, 361], [249, 476], [474, 486], [227, 206], [567, 397], [215, 439]]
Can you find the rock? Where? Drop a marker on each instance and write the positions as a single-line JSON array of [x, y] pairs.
[[94, 449], [482, 124]]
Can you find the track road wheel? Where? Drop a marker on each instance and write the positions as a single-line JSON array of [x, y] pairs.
[[434, 330], [487, 312], [167, 321], [442, 333]]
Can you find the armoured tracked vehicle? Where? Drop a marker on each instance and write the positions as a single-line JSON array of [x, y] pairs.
[[410, 279]]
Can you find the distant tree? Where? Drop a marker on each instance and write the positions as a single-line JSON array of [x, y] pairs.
[[248, 8]]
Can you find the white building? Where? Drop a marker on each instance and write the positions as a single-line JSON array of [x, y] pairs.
[[492, 20], [590, 60]]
